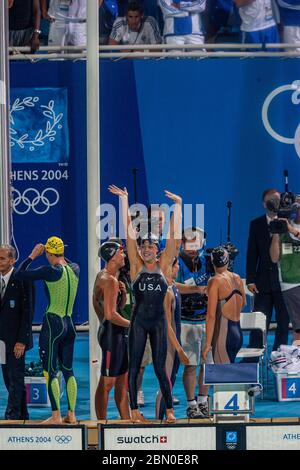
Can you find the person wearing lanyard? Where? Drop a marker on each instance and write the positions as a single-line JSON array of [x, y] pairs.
[[258, 22], [16, 313], [193, 272]]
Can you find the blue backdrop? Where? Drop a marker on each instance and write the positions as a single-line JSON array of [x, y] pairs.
[[194, 127]]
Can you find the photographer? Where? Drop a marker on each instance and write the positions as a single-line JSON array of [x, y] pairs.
[[285, 249], [262, 274], [193, 272]]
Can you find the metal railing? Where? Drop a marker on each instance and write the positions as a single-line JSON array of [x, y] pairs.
[[160, 51]]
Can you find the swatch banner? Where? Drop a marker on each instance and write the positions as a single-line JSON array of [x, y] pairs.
[[41, 178]]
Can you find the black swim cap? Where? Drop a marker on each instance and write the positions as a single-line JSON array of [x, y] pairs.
[[108, 249], [219, 257]]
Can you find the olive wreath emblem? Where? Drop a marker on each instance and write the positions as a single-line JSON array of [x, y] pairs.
[[42, 135]]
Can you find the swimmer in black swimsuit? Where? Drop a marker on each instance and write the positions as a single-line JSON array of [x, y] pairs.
[[175, 353], [108, 300], [150, 288], [226, 298]]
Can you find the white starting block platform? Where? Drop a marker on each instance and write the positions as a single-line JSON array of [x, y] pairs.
[[234, 389]]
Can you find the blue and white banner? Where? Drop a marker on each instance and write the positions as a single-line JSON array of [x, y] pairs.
[[39, 139], [41, 177], [43, 438], [39, 130]]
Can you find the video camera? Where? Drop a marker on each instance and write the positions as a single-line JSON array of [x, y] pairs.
[[284, 207]]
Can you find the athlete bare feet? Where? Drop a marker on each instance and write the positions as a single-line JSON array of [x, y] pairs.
[[170, 416], [70, 418], [54, 419], [138, 418]]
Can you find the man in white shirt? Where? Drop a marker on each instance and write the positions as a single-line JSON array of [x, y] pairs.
[[68, 22], [135, 28], [183, 21]]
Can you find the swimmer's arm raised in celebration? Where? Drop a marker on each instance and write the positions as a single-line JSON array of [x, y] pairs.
[[212, 291], [174, 234], [110, 294], [131, 245], [168, 302]]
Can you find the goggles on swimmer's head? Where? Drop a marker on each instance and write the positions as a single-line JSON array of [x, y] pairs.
[[219, 257], [150, 238], [108, 250]]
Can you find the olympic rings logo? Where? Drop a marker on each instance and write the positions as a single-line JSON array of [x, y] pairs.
[[31, 199], [63, 439], [295, 87]]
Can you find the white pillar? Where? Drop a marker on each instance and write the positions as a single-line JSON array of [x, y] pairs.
[[5, 165], [93, 183]]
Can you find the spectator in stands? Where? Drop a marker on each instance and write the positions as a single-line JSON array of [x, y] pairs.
[[258, 22], [183, 21], [135, 28], [68, 21], [285, 249], [24, 23], [290, 20], [193, 272], [262, 274], [45, 27]]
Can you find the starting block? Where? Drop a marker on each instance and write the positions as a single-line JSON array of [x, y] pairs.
[[234, 389], [36, 390]]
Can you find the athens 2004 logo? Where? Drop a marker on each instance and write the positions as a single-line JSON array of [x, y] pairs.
[[31, 199]]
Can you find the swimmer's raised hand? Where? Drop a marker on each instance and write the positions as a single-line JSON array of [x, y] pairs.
[[174, 197], [37, 251], [118, 191]]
